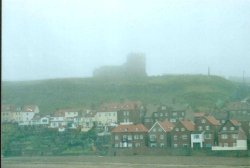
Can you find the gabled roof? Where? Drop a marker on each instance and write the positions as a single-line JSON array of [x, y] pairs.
[[165, 125], [199, 114], [189, 125], [130, 128], [237, 106], [212, 120], [8, 108], [29, 108], [235, 122], [130, 105]]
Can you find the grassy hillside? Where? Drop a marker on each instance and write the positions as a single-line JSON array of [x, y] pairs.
[[49, 95]]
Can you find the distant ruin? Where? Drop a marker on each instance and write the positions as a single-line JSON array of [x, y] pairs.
[[135, 66]]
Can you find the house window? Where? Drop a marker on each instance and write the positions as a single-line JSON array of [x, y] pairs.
[[162, 145], [224, 128], [172, 120], [176, 129], [203, 121], [116, 145], [196, 136], [161, 114], [166, 114], [116, 137], [175, 145], [141, 136], [124, 137], [136, 136], [200, 128], [155, 114], [174, 114], [161, 136], [129, 137], [182, 129], [207, 136], [182, 113], [137, 145], [225, 144], [223, 136], [160, 130], [175, 137], [185, 145], [154, 129], [153, 145], [232, 128], [207, 127], [152, 137], [234, 136], [184, 137], [130, 145]]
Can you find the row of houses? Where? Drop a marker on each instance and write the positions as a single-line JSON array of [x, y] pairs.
[[201, 128], [204, 132], [107, 115]]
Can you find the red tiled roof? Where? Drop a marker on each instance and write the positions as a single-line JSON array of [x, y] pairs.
[[235, 122], [166, 125], [130, 128], [189, 125], [200, 114], [213, 120], [29, 108], [8, 108], [59, 114], [119, 106]]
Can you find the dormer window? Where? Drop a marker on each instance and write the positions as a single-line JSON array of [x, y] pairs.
[[203, 121], [177, 129], [232, 128], [207, 127], [224, 128]]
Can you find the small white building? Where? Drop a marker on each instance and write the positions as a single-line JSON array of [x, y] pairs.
[[106, 118], [197, 140], [26, 114]]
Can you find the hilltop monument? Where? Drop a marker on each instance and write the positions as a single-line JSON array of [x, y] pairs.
[[135, 66]]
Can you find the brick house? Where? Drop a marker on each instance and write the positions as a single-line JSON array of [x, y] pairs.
[[129, 136], [111, 114], [232, 135], [207, 127], [148, 119], [171, 113], [181, 134], [27, 113], [159, 134], [7, 113], [130, 113], [245, 125]]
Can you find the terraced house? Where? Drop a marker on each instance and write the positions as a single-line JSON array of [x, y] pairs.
[[207, 128], [159, 134], [231, 136], [181, 134], [129, 136]]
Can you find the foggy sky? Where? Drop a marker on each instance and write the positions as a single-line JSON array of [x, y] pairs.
[[44, 39]]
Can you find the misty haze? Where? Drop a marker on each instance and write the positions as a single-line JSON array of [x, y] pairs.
[[89, 83]]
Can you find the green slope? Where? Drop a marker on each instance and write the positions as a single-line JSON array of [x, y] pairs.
[[49, 95]]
